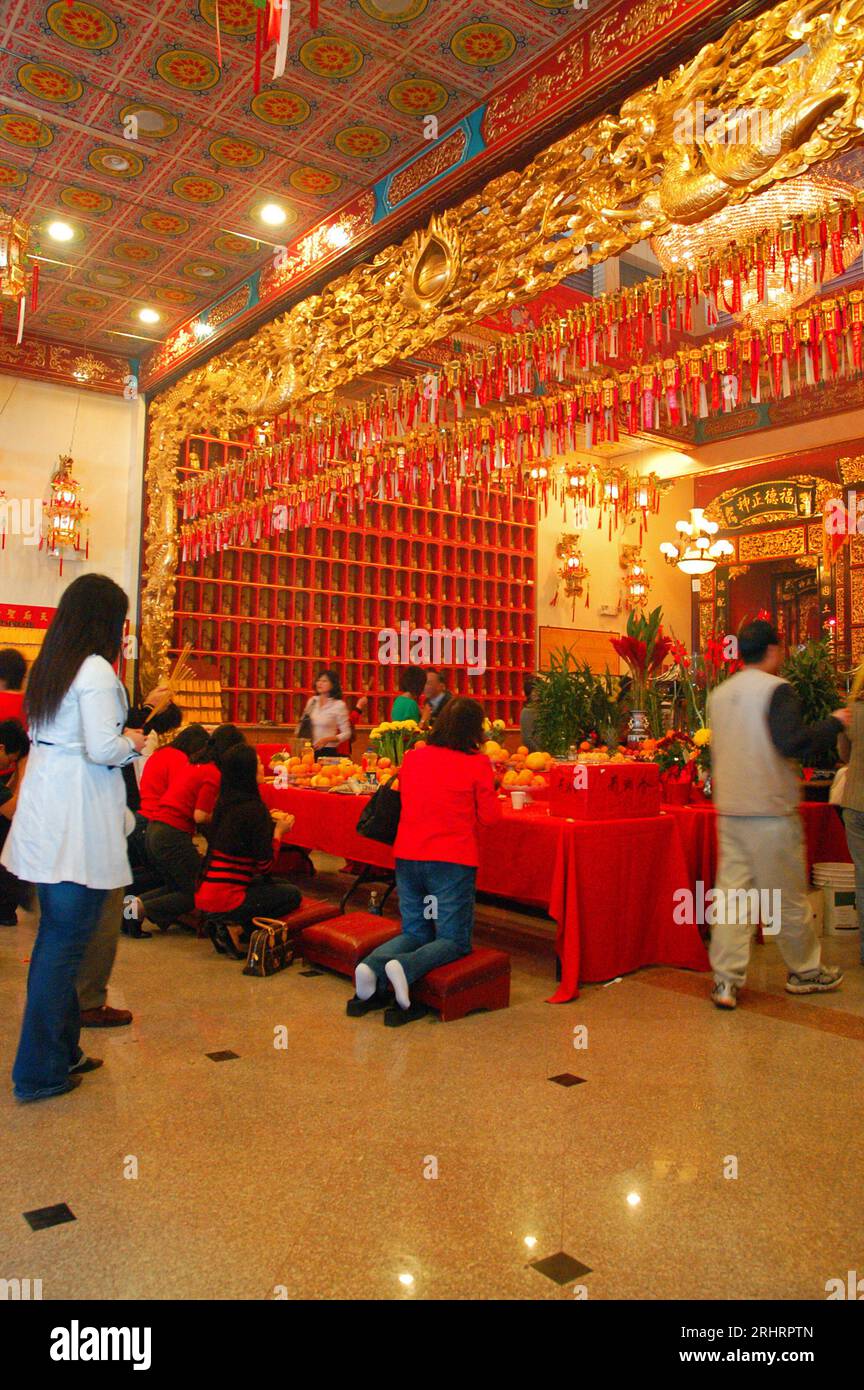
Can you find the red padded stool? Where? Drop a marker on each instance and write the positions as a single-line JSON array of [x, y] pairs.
[[343, 942], [480, 980], [310, 911]]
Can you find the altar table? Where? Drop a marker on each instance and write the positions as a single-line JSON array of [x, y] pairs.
[[609, 885]]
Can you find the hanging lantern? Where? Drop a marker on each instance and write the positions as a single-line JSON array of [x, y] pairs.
[[635, 581], [14, 237], [573, 573], [63, 514]]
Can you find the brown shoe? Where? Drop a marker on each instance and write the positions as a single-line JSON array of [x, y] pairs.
[[106, 1017]]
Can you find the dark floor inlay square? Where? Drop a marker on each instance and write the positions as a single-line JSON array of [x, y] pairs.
[[223, 1056], [43, 1217], [308, 974], [566, 1078], [560, 1268]]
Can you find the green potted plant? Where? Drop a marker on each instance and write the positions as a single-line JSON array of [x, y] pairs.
[[573, 703], [810, 671]]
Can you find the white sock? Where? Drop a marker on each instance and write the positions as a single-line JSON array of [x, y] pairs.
[[365, 982], [396, 975]]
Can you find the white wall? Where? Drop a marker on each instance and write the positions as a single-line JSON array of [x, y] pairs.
[[669, 588], [38, 422]]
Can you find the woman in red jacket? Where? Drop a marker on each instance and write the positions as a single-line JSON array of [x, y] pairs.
[[448, 792]]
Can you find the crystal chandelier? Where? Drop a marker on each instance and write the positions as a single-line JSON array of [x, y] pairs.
[[789, 278], [696, 552]]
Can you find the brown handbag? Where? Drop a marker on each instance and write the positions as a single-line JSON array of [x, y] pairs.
[[272, 946]]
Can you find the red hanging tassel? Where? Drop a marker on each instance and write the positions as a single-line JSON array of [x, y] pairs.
[[34, 288], [313, 14]]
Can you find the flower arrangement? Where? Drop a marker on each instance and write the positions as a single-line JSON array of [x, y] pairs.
[[643, 650], [702, 672], [393, 739]]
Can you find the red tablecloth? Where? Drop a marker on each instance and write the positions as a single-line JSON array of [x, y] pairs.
[[823, 832], [609, 885]]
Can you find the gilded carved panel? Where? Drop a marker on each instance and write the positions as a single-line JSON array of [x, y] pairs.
[[770, 545]]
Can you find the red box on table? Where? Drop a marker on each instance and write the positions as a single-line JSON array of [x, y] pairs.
[[604, 791]]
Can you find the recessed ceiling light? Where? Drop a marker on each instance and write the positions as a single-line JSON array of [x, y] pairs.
[[203, 270], [115, 161], [149, 316], [633, 1199], [406, 1280], [60, 231], [273, 215]]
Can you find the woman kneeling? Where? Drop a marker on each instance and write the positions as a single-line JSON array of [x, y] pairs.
[[237, 884], [448, 792]]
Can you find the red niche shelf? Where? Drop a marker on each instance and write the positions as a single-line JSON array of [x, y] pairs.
[[269, 617]]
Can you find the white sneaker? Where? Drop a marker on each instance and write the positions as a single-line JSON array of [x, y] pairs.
[[820, 981], [724, 995]]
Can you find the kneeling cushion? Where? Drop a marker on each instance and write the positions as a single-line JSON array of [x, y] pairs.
[[480, 980], [310, 911], [341, 943]]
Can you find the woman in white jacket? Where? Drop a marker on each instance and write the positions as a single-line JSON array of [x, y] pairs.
[[68, 836]]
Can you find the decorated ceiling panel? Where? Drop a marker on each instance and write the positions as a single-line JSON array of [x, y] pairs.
[[122, 120]]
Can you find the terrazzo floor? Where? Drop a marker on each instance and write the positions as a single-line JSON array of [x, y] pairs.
[[439, 1160]]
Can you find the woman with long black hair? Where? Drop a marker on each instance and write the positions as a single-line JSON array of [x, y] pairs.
[[184, 809], [68, 836], [237, 883]]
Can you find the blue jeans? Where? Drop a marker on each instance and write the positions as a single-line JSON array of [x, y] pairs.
[[854, 823], [49, 1032], [436, 901]]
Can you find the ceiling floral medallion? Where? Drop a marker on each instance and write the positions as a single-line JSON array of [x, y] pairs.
[[434, 262], [152, 122], [483, 45], [49, 83], [235, 153], [68, 323], [187, 70], [231, 245], [136, 252], [10, 177], [197, 189], [168, 294], [86, 300], [108, 278], [418, 96], [116, 163], [235, 16], [164, 223], [82, 25], [363, 141], [86, 200], [26, 131], [330, 56], [204, 270], [307, 179], [394, 11], [280, 108]]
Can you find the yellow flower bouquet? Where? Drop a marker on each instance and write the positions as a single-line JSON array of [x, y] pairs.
[[392, 739]]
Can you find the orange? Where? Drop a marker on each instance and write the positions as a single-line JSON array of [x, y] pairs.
[[524, 779], [522, 751], [510, 779]]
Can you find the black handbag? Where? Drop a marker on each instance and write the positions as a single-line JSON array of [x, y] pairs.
[[304, 728], [272, 946], [379, 820]]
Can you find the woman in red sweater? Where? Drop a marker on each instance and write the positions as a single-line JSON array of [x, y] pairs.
[[185, 806], [448, 792]]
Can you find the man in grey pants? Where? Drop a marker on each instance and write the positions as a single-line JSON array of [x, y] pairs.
[[757, 735]]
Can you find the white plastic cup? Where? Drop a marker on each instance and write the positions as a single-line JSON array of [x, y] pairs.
[[518, 797]]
